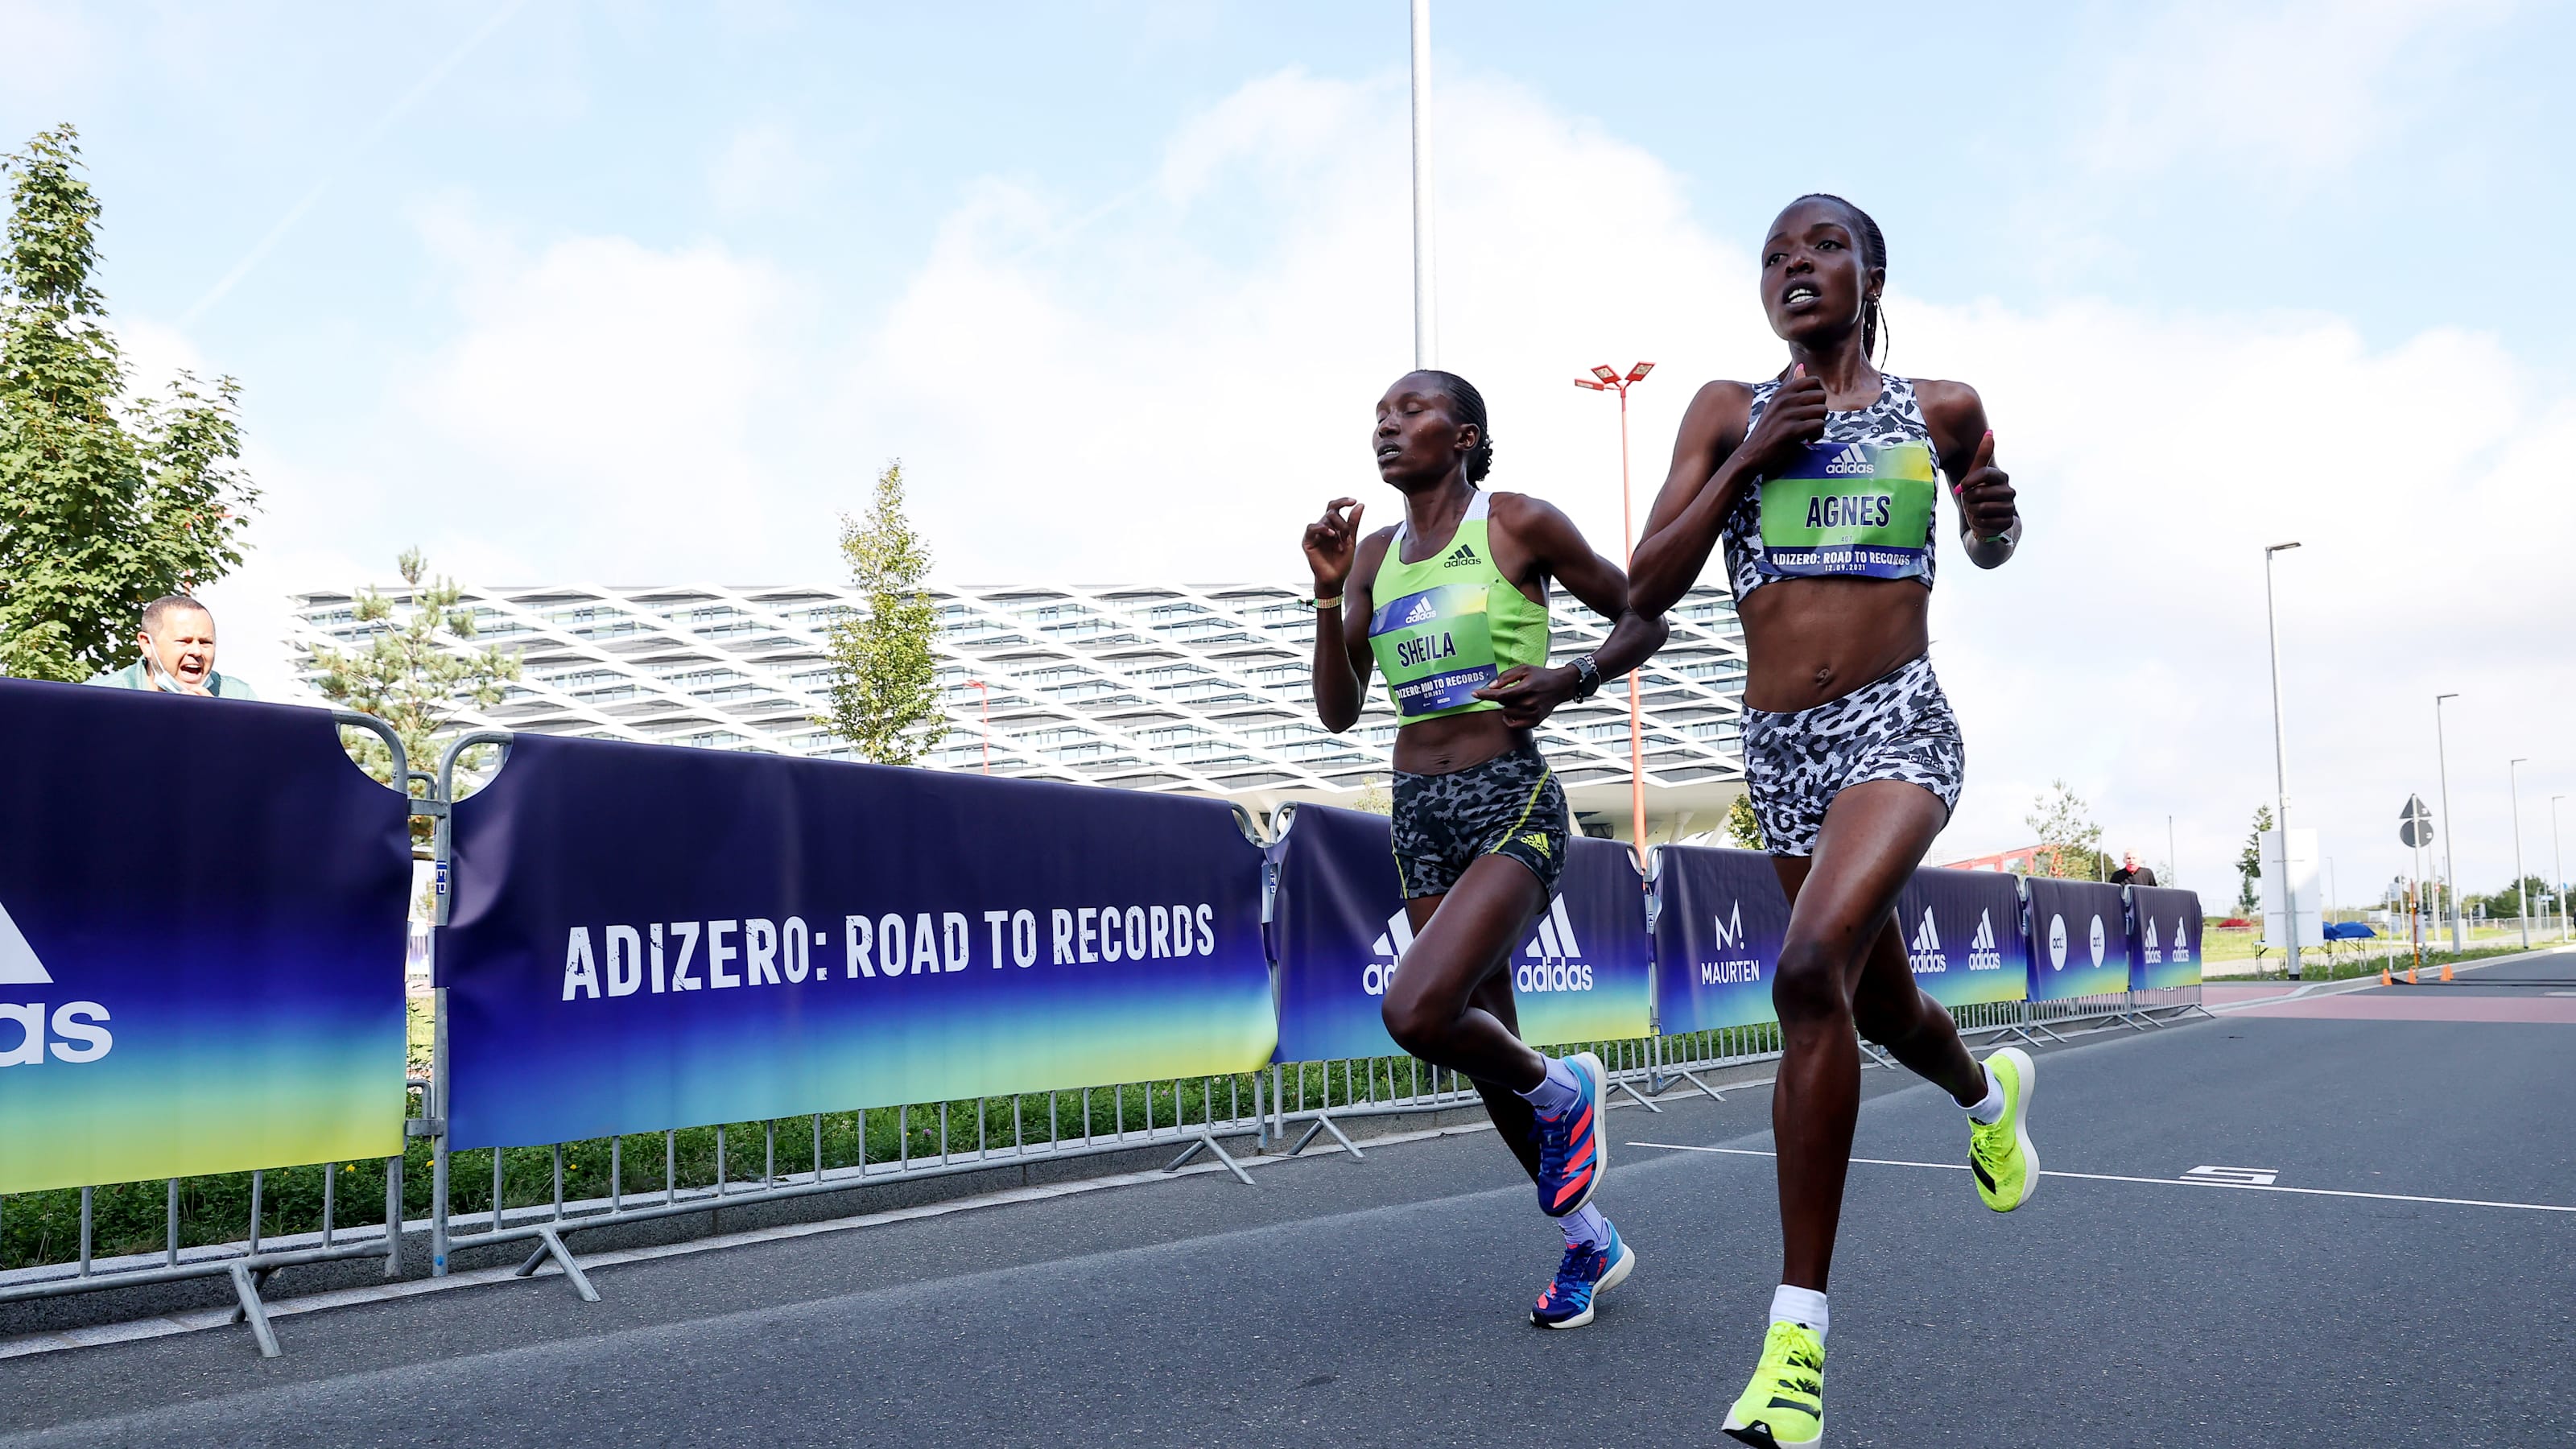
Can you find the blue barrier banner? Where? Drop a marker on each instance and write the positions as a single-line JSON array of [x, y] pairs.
[[1963, 936], [201, 940], [1721, 917], [2164, 938], [648, 936], [2079, 939], [1586, 973], [1339, 930]]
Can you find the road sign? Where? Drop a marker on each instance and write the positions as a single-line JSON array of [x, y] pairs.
[[2415, 823]]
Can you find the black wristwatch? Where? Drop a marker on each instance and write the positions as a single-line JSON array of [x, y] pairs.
[[1587, 677]]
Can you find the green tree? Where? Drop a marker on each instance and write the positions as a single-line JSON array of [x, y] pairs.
[[2249, 863], [2508, 901], [885, 684], [2064, 824], [107, 500], [418, 671], [1742, 825]]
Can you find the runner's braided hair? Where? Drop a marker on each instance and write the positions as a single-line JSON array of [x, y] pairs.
[[1873, 254], [1467, 407]]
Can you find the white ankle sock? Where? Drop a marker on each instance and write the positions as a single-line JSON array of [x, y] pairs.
[[1585, 1227], [1802, 1306], [1991, 1110], [1556, 1091]]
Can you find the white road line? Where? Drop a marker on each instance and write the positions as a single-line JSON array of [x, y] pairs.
[[2535, 1207]]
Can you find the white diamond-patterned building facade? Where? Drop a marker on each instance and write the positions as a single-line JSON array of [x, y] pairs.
[[1197, 689]]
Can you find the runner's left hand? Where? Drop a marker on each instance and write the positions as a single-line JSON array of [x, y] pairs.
[[1986, 495], [1530, 695]]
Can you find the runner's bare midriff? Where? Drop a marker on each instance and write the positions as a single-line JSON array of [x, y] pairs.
[[1816, 640], [1455, 742]]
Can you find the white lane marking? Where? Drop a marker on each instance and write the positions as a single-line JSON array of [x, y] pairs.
[[2535, 1207], [2240, 1176]]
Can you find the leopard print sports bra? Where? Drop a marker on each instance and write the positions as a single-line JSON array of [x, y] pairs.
[[1884, 428]]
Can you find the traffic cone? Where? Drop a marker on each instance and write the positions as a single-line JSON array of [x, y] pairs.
[[2446, 970], [2383, 977], [2410, 977]]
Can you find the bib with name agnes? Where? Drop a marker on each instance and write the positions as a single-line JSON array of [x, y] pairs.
[[1853, 509], [1436, 648]]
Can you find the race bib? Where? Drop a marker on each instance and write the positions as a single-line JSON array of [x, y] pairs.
[[1435, 648], [1849, 508]]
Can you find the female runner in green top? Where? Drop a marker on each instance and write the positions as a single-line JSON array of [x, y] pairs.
[[1452, 604]]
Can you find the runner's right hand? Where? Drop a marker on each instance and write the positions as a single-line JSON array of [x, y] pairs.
[[1332, 541], [1795, 418]]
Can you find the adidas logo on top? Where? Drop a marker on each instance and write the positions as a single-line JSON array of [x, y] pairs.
[[1926, 952], [79, 1027], [1420, 611], [1851, 462], [1462, 554], [1982, 955]]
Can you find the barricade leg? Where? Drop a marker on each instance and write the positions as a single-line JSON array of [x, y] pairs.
[[1324, 1123], [253, 1311], [1205, 1141], [550, 1244]]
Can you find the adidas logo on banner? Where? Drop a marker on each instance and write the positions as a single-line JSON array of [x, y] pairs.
[[1555, 948], [76, 1024], [2154, 954], [1420, 611], [1851, 462], [1982, 954], [1391, 944], [2181, 943], [1926, 950], [1728, 934], [1462, 554]]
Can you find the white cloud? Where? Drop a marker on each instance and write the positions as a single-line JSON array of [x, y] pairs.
[[2283, 91], [50, 53], [763, 167], [1169, 385], [607, 403]]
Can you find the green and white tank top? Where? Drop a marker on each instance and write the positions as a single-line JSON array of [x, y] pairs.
[[1451, 624]]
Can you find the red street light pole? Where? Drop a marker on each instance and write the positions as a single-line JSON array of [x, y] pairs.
[[1607, 379], [979, 685]]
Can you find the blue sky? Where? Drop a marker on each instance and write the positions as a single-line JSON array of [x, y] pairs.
[[642, 292]]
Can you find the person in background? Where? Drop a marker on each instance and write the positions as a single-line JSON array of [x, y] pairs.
[[2132, 873], [177, 645]]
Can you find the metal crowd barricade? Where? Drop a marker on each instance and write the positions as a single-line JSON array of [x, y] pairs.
[[1077, 1123], [249, 1263]]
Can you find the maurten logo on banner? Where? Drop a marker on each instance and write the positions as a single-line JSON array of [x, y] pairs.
[[1930, 960], [1556, 963], [77, 1035], [1727, 935]]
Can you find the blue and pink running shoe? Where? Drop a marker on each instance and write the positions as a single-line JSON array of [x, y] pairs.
[[1581, 1279], [1571, 1153]]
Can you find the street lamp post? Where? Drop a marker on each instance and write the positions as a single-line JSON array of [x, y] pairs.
[[1425, 318], [980, 687], [2521, 881], [2450, 871], [2280, 765], [2557, 867], [1609, 379]]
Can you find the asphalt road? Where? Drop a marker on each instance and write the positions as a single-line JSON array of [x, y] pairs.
[[1382, 1301]]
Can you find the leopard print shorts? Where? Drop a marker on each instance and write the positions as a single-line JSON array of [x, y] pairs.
[[1898, 727]]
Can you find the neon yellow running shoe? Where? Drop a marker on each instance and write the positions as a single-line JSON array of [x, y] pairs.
[[2006, 1165], [1784, 1406]]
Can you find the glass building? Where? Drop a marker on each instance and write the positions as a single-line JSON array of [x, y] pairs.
[[1201, 689]]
